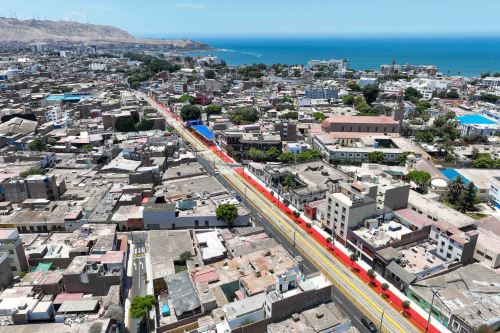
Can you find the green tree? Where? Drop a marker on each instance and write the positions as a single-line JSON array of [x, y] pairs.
[[52, 141], [287, 181], [405, 305], [244, 115], [256, 154], [421, 178], [467, 201], [140, 306], [353, 257], [37, 145], [376, 157], [125, 124], [309, 155], [402, 157], [273, 154], [384, 286], [212, 110], [290, 115], [424, 136], [372, 275], [483, 161], [185, 256], [190, 112], [412, 94], [227, 213], [456, 188], [210, 74], [348, 100], [422, 105], [319, 116], [287, 157], [370, 92], [187, 99], [87, 147], [353, 86]]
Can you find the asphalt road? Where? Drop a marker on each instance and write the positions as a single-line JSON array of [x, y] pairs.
[[137, 284], [365, 299], [307, 267]]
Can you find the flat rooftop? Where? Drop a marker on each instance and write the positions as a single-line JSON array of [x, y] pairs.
[[388, 232]]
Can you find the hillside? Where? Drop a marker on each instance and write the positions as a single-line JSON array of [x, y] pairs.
[[29, 31]]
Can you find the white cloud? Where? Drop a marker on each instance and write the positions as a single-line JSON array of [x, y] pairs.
[[191, 5]]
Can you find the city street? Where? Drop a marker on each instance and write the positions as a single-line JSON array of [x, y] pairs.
[[137, 273], [364, 298]]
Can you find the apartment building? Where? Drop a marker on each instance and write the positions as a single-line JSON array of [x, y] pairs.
[[355, 202], [11, 244]]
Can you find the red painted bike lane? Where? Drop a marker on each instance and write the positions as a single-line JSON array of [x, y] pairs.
[[389, 296]]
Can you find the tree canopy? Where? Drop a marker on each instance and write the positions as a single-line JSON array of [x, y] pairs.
[[421, 178], [376, 157], [190, 112], [141, 306], [227, 213], [370, 92], [37, 145], [244, 115]]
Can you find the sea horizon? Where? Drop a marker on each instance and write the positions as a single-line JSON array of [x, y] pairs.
[[454, 55]]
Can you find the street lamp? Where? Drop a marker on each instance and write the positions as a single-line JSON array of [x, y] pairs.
[[430, 310], [382, 319]]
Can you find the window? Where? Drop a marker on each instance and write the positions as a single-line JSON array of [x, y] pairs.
[[206, 223], [11, 251], [481, 253], [448, 255], [13, 268], [450, 247], [488, 258], [196, 223]]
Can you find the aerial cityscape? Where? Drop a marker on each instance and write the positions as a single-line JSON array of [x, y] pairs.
[[249, 167]]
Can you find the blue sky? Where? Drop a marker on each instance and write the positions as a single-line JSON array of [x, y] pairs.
[[192, 18]]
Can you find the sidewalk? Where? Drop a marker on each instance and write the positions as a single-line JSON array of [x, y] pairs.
[[393, 296], [129, 278]]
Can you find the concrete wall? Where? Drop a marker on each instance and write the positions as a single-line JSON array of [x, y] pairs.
[[166, 220]]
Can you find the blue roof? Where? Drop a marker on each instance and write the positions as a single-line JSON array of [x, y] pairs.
[[204, 131], [475, 119], [64, 98], [452, 174], [55, 97]]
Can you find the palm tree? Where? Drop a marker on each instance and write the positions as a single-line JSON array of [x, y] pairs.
[[456, 188]]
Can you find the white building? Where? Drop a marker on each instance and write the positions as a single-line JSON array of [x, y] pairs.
[[365, 81], [491, 81], [320, 93], [98, 66]]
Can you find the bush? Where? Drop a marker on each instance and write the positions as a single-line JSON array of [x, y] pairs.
[[32, 171]]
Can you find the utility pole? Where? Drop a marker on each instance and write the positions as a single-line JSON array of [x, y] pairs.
[[430, 312], [381, 320], [294, 244]]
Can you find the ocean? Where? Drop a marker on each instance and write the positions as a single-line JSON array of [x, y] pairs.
[[467, 56]]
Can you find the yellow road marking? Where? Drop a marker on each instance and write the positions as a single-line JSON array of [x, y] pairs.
[[286, 224]]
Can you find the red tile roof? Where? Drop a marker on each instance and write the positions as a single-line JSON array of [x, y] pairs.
[[358, 120], [206, 275]]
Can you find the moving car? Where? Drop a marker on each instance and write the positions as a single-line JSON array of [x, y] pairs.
[[369, 325]]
